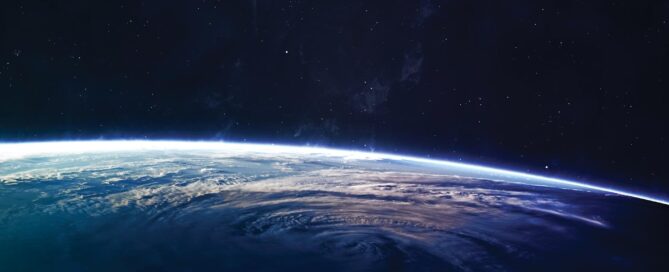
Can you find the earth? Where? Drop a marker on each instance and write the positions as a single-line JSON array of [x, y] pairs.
[[187, 206]]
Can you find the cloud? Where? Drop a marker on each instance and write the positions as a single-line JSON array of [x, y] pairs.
[[413, 63], [425, 10], [373, 96]]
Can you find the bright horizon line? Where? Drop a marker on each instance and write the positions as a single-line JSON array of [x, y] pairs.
[[17, 150]]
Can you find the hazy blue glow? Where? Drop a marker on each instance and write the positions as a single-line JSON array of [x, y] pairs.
[[13, 151]]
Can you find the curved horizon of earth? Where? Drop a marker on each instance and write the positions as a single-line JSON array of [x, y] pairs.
[[175, 205]]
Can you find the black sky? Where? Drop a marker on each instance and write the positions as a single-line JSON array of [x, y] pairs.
[[569, 88]]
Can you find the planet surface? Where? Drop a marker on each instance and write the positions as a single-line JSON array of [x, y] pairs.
[[189, 206]]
